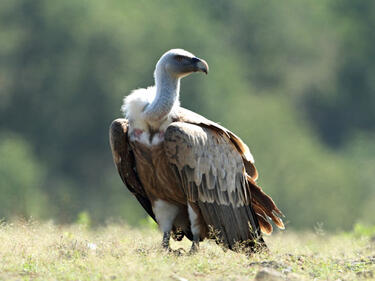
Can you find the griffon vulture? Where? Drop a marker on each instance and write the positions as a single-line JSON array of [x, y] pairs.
[[194, 177]]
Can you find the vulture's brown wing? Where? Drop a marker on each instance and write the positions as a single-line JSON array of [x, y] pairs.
[[124, 159], [125, 162], [262, 204], [212, 174]]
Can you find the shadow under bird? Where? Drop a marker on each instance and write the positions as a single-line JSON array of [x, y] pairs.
[[194, 177]]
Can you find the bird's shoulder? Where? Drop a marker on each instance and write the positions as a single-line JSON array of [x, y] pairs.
[[191, 127], [187, 116]]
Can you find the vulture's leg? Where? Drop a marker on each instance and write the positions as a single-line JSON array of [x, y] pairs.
[[166, 238], [165, 214], [195, 229], [195, 246]]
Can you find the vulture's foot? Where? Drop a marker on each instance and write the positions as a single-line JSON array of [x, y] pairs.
[[194, 248], [165, 242], [167, 247]]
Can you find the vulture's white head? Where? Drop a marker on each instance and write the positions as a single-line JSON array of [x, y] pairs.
[[152, 106], [179, 63]]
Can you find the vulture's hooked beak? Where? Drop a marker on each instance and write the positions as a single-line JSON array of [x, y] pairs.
[[200, 65]]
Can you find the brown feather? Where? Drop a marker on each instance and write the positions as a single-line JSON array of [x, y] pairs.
[[265, 226], [185, 115], [212, 175], [125, 162], [265, 203], [124, 158], [257, 193], [262, 198]]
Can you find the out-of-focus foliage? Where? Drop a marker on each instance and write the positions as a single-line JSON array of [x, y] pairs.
[[21, 178], [348, 103], [294, 80], [363, 230]]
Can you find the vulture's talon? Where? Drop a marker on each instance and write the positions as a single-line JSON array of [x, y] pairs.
[[194, 248]]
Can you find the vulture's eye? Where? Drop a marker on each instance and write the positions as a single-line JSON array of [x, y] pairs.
[[179, 58]]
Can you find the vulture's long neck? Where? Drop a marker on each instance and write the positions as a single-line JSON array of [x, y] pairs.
[[167, 94]]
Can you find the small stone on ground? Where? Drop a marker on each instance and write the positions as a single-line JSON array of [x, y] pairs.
[[267, 274]]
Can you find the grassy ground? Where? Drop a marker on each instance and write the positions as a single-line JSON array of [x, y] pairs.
[[33, 251]]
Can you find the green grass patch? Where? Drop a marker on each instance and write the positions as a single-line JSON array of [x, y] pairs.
[[45, 251]]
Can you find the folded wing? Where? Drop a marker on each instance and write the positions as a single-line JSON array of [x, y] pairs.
[[213, 176], [125, 162]]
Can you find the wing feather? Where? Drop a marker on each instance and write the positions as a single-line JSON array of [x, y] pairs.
[[125, 162], [213, 176], [124, 159], [259, 198], [187, 116]]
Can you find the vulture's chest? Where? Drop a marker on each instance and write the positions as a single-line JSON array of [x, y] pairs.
[[157, 176]]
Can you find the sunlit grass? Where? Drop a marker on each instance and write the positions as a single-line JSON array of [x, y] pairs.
[[34, 251]]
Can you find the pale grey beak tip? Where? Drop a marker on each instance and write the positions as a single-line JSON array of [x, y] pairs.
[[203, 66]]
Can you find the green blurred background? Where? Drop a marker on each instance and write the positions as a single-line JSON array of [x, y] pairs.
[[296, 80]]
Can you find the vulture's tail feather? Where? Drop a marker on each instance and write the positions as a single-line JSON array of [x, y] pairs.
[[264, 208], [228, 226]]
